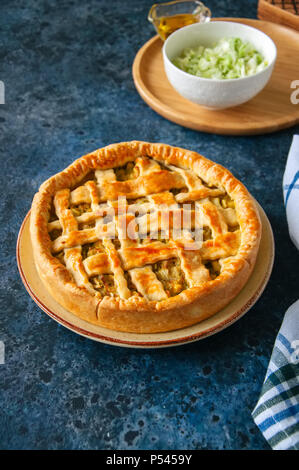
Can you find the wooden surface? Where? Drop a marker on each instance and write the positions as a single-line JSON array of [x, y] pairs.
[[269, 111], [276, 13]]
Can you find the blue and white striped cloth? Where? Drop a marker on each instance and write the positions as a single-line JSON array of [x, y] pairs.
[[277, 411], [291, 190]]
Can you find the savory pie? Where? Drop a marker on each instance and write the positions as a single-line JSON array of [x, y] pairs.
[[112, 245]]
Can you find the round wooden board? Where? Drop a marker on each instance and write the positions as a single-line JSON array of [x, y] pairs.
[[271, 110], [227, 316]]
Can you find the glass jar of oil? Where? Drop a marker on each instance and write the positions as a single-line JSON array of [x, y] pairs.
[[168, 17]]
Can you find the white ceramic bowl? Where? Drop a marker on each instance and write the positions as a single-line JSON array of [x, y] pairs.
[[216, 93]]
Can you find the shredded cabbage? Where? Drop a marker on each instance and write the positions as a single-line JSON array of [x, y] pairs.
[[229, 58]]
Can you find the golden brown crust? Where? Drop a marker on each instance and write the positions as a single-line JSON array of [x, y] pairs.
[[136, 314]]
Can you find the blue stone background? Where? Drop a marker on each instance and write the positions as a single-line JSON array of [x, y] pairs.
[[69, 90]]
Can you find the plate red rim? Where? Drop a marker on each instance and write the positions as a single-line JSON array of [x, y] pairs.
[[150, 344]]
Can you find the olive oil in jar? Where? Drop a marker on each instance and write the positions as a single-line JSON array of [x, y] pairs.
[[168, 24]]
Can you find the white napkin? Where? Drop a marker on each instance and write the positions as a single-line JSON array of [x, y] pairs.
[[277, 410], [291, 190]]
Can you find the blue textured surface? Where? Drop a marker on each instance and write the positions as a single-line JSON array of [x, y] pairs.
[[69, 89]]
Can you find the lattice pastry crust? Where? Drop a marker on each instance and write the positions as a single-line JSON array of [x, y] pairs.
[[144, 282]]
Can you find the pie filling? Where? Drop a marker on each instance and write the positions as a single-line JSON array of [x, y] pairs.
[[104, 284], [154, 263], [126, 172], [171, 276], [80, 209], [55, 234], [214, 268], [91, 249]]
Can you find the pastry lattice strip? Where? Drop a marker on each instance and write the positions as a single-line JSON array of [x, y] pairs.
[[151, 177], [72, 255], [134, 257]]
